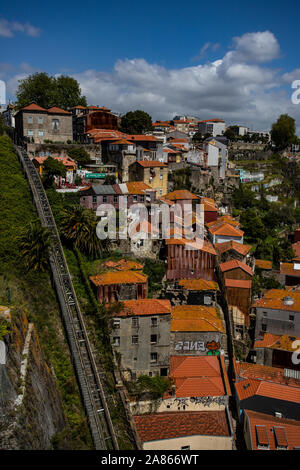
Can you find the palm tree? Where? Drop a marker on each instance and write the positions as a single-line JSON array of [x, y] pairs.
[[78, 226], [35, 243]]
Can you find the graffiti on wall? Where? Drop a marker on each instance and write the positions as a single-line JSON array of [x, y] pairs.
[[212, 347]]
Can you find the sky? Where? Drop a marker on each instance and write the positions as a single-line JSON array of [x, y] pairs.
[[231, 60]]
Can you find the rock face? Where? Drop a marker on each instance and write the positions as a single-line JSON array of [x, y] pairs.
[[30, 405]]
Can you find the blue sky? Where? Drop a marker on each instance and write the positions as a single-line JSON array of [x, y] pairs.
[[125, 53]]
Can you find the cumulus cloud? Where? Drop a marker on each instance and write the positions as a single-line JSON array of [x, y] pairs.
[[234, 88], [9, 28]]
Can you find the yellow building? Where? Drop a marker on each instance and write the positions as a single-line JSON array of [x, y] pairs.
[[153, 173]]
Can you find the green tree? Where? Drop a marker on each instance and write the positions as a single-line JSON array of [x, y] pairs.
[[283, 132], [243, 197], [78, 227], [110, 179], [136, 122], [2, 125], [79, 154], [230, 134], [198, 137], [52, 168], [252, 225], [35, 243], [47, 91]]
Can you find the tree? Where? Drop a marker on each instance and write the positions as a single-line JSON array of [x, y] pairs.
[[52, 168], [110, 179], [78, 227], [230, 134], [252, 225], [47, 91], [198, 137], [2, 125], [136, 122], [79, 154], [283, 132], [35, 243]]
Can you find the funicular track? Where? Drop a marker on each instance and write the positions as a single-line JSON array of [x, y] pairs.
[[87, 372]]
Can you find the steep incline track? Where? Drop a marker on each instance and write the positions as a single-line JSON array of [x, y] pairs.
[[88, 377]]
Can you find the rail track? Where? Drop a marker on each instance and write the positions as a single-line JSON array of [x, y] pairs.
[[83, 357]]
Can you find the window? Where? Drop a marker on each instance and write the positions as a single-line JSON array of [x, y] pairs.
[[264, 327], [161, 177], [115, 199], [94, 199], [41, 133], [135, 322], [104, 199], [30, 119], [207, 300], [291, 317], [135, 339], [134, 198], [40, 120], [142, 198], [265, 314], [55, 124], [116, 341], [153, 357], [154, 321], [30, 132], [116, 323], [153, 339]]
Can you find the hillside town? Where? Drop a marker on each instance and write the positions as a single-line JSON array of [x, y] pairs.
[[203, 330]]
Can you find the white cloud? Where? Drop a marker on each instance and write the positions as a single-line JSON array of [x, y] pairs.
[[204, 49], [9, 28], [233, 88]]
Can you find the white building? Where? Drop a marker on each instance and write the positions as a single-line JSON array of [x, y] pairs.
[[212, 126]]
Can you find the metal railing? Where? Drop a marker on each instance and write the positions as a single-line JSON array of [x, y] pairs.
[[88, 375]]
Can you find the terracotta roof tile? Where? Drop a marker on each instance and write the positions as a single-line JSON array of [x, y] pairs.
[[288, 269], [274, 299], [123, 265], [233, 245], [226, 229], [240, 283], [196, 318], [250, 387], [33, 107], [151, 163], [296, 248], [263, 264], [234, 264], [144, 307], [137, 187], [279, 432], [282, 342], [122, 277], [181, 194], [258, 371], [197, 244], [198, 284], [171, 425], [55, 110]]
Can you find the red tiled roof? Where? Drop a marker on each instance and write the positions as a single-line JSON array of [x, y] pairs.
[[240, 283], [33, 107], [288, 269], [197, 244], [212, 120], [196, 318], [55, 110], [119, 277], [181, 194], [234, 264], [151, 163], [233, 245], [263, 264], [269, 374], [123, 265], [274, 432], [296, 248], [172, 425], [274, 299], [142, 138], [198, 284], [137, 187], [250, 387], [282, 342], [144, 307], [226, 229]]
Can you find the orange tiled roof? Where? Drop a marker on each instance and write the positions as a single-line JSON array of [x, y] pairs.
[[171, 425], [196, 376], [181, 194], [144, 307], [263, 264], [196, 318], [119, 277], [288, 269], [123, 265], [234, 264], [233, 245], [151, 163], [67, 161], [221, 221], [197, 244], [282, 342], [250, 387], [240, 283], [137, 187], [33, 107], [226, 229], [274, 299], [142, 138], [277, 432], [55, 110], [257, 371], [198, 284]]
